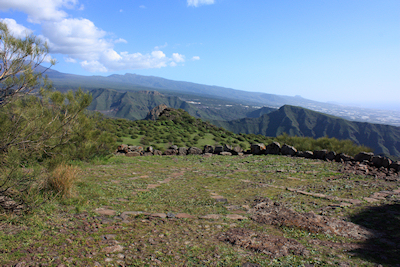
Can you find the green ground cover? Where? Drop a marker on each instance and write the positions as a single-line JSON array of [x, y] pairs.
[[72, 232]]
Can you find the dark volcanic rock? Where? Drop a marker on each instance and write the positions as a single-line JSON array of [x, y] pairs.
[[360, 157], [208, 149], [288, 150], [123, 148], [258, 149], [236, 150], [218, 149], [171, 152], [320, 154], [157, 152], [227, 148], [274, 246], [268, 212], [182, 151], [343, 157], [194, 151], [305, 154], [395, 166], [273, 148], [331, 155], [135, 149]]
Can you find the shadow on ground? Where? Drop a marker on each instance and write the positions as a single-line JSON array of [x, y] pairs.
[[384, 248]]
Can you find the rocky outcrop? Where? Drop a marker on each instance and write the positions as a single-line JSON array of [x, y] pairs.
[[155, 113]]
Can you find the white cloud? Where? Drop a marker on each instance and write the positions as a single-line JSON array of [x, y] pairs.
[[79, 40], [17, 30], [178, 58], [120, 40], [40, 10], [160, 46], [142, 6], [197, 3], [93, 66], [70, 60], [195, 58]]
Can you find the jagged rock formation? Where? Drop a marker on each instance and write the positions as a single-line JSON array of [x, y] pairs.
[[155, 113]]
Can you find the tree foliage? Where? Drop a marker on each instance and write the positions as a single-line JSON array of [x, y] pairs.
[[39, 125], [20, 60]]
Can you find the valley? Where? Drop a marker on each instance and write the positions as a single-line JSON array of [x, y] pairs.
[[210, 96]]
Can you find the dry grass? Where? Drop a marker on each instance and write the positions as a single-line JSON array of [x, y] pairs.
[[62, 179]]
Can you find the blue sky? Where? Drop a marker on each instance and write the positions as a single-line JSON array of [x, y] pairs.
[[345, 51]]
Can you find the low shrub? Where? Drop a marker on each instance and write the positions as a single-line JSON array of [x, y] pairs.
[[62, 179]]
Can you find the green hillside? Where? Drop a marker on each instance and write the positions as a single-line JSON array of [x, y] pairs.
[[297, 121], [134, 105], [177, 127]]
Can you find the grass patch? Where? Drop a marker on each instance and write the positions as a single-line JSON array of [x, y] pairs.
[[186, 185]]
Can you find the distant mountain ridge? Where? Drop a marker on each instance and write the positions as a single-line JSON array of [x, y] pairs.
[[384, 139], [134, 82]]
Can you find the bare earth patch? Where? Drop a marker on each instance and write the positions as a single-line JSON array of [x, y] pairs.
[[273, 246], [268, 212]]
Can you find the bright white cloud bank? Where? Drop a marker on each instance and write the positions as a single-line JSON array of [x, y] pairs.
[[16, 29], [80, 40], [38, 11], [197, 3]]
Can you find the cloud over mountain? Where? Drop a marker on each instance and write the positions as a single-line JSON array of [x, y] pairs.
[[80, 40]]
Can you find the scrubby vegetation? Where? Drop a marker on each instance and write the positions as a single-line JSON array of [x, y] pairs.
[[166, 211], [40, 128], [179, 128]]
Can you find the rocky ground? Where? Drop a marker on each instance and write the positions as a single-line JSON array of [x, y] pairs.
[[213, 211]]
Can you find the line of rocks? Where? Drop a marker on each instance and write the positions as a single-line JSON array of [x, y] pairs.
[[381, 163]]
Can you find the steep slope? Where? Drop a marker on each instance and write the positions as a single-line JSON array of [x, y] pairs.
[[134, 105], [384, 139]]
